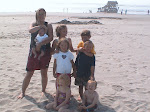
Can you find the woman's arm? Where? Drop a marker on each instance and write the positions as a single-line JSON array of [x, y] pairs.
[[33, 28]]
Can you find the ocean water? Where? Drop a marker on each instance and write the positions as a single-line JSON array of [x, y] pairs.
[[74, 8], [86, 7]]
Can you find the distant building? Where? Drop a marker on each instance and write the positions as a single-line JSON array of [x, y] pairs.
[[111, 7]]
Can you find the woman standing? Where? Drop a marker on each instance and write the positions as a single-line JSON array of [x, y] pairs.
[[33, 63]]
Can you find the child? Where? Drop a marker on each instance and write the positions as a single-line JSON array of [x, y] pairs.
[[63, 94], [39, 38], [61, 32], [63, 61], [85, 35], [90, 98], [85, 66]]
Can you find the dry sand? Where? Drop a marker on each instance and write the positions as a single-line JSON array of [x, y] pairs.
[[122, 62]]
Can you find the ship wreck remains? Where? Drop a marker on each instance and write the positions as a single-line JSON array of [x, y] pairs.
[[110, 7]]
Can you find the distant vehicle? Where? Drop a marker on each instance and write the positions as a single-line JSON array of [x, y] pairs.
[[111, 7]]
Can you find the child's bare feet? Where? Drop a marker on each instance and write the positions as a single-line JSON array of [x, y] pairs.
[[21, 96], [35, 55]]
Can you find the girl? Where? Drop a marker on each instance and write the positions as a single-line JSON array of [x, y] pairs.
[[61, 32], [63, 61], [63, 94]]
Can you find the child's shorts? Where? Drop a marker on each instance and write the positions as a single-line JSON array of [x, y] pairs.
[[81, 81]]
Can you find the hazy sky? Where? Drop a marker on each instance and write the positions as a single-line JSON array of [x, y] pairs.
[[31, 5]]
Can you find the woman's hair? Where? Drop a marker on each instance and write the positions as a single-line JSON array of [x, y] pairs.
[[59, 28], [91, 81], [65, 78], [62, 40], [37, 14], [86, 33]]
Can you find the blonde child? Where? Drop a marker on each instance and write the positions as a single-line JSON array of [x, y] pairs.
[[90, 98], [85, 36], [85, 66], [61, 32], [39, 38], [63, 60], [63, 94]]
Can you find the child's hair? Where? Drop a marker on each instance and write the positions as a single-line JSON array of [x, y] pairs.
[[59, 28], [86, 33], [43, 29], [88, 42], [91, 81], [64, 78], [61, 40]]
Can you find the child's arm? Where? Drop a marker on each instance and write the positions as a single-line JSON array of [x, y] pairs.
[[84, 98], [92, 73], [54, 68], [68, 95], [54, 46], [70, 46], [88, 53], [55, 99], [94, 101], [92, 68], [74, 68], [82, 50], [82, 106]]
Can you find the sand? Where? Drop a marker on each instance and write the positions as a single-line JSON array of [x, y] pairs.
[[122, 62]]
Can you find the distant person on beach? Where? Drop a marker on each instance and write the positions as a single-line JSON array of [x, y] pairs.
[[63, 60], [33, 63], [39, 38], [148, 12], [121, 11], [63, 94], [85, 66], [85, 36], [61, 32], [90, 98], [125, 12]]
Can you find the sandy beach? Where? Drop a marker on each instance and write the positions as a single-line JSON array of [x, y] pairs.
[[122, 44]]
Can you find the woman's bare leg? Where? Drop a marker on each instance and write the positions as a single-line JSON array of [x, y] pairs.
[[25, 84], [44, 79]]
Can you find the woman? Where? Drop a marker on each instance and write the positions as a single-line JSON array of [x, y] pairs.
[[33, 63]]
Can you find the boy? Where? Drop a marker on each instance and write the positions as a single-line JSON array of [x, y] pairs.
[[85, 66], [90, 98], [85, 35]]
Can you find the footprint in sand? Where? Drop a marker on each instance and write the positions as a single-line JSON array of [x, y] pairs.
[[117, 87]]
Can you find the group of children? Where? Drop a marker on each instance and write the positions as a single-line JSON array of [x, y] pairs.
[[83, 70]]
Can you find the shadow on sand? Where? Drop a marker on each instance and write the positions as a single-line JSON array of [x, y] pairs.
[[73, 104]]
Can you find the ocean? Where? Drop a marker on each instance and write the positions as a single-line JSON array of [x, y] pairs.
[[75, 8], [93, 7]]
